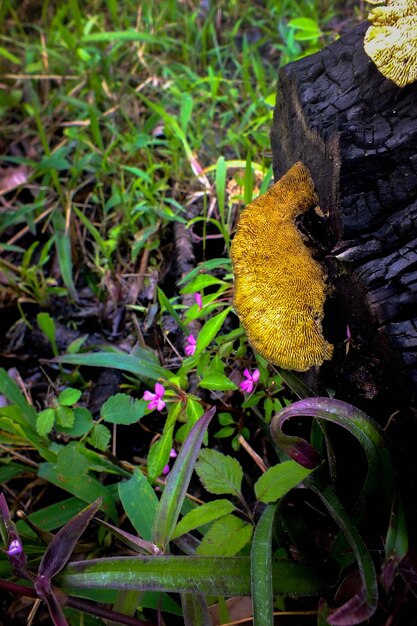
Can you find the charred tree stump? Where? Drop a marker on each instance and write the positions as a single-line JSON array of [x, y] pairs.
[[357, 133]]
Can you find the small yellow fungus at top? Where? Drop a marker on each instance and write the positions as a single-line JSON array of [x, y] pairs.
[[279, 289], [391, 40]]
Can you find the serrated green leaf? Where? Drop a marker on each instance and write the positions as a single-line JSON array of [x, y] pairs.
[[69, 396], [83, 422], [278, 480], [210, 330], [217, 382], [204, 514], [219, 473], [122, 409], [45, 422], [64, 416], [226, 537], [140, 503], [99, 437]]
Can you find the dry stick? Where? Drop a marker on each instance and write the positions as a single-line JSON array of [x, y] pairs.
[[252, 453]]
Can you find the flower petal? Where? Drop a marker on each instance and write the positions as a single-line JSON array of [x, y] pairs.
[[256, 375], [159, 390], [148, 395]]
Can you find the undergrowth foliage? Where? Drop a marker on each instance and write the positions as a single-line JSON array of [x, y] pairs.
[[129, 129]]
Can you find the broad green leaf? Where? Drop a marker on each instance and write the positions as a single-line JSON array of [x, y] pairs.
[[140, 503], [203, 514], [210, 330], [215, 576], [217, 382], [261, 569], [219, 473], [100, 437], [83, 422], [53, 516], [122, 409], [278, 480], [64, 416], [178, 480], [10, 389], [226, 431], [45, 422], [70, 473], [134, 364], [226, 537], [207, 266], [69, 396]]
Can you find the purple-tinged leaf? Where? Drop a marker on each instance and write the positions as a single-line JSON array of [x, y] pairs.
[[46, 593], [195, 609], [408, 571], [178, 481], [363, 605], [60, 548], [135, 543], [380, 472]]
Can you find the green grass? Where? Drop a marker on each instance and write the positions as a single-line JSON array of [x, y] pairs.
[[108, 104]]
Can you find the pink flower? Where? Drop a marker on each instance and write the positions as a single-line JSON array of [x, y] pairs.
[[190, 345], [251, 379], [167, 468], [156, 401], [199, 300]]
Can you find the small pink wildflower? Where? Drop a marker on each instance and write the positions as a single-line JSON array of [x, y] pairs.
[[156, 401], [199, 300], [191, 345], [167, 468], [251, 379]]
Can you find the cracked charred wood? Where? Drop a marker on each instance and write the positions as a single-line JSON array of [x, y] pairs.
[[356, 131]]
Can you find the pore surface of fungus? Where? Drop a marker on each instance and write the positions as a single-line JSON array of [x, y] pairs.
[[391, 40], [279, 289]]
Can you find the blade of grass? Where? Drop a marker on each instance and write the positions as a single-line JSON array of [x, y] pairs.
[[261, 569]]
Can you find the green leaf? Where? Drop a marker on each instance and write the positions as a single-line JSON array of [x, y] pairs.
[[160, 451], [226, 431], [221, 169], [141, 364], [45, 422], [219, 473], [47, 326], [226, 537], [305, 24], [224, 576], [140, 503], [210, 330], [100, 437], [69, 396], [201, 281], [10, 389], [204, 514], [178, 480], [53, 516], [261, 569], [166, 304], [217, 382], [64, 416], [278, 480], [83, 422], [122, 409]]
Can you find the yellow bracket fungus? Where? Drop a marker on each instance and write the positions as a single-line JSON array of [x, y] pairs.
[[279, 289], [391, 40]]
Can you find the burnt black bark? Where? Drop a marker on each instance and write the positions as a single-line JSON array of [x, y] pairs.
[[357, 133]]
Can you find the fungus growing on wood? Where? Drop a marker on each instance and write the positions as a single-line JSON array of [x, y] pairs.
[[279, 289], [391, 40]]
